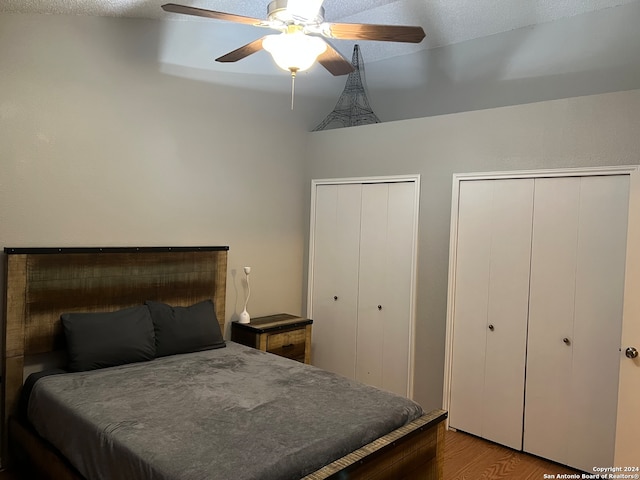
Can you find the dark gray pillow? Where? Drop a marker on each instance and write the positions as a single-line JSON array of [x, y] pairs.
[[185, 329], [106, 339]]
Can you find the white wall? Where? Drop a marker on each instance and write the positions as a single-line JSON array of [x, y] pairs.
[[99, 147], [585, 131]]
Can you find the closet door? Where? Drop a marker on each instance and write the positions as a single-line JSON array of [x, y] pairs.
[[335, 266], [577, 282], [362, 271], [385, 285], [490, 308]]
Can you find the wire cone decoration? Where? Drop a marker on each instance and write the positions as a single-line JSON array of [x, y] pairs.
[[353, 106]]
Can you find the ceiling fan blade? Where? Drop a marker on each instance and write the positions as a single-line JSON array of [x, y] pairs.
[[242, 52], [385, 33], [333, 61], [200, 12]]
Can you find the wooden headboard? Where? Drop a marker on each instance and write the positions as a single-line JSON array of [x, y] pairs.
[[41, 284]]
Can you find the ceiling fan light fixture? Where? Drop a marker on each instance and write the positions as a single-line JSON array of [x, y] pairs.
[[294, 51]]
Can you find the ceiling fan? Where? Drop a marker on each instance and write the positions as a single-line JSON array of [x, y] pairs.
[[301, 23]]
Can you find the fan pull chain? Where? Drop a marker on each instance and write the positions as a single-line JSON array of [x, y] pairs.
[[293, 84]]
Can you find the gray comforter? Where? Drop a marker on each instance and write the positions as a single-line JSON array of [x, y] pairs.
[[233, 413]]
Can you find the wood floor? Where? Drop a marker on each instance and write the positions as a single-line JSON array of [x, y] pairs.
[[465, 458], [471, 458]]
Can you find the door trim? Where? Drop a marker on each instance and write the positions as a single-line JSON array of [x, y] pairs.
[[627, 401], [628, 421], [414, 178]]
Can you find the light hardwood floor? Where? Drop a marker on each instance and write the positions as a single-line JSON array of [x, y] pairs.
[[471, 458]]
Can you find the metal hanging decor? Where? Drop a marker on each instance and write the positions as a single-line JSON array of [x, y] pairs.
[[353, 106]]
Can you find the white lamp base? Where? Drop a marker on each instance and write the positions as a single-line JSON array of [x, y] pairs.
[[244, 317]]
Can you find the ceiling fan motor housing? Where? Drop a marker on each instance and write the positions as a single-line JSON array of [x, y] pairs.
[[277, 12]]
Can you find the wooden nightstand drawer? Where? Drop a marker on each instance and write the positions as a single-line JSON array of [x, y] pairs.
[[288, 344], [282, 334]]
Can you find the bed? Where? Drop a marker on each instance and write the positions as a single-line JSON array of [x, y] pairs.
[[41, 284]]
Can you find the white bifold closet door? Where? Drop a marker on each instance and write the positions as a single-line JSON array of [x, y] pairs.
[[538, 314], [336, 261], [492, 288], [575, 320], [363, 267], [384, 294]]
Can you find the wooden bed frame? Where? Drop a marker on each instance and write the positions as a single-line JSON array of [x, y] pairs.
[[41, 284]]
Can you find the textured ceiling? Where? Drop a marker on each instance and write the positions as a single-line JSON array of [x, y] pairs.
[[188, 45], [445, 21]]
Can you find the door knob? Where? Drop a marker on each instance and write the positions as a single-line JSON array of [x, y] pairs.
[[335, 297], [631, 352], [492, 328], [379, 307]]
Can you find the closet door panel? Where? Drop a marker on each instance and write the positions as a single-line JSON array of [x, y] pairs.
[[491, 308], [601, 256], [397, 302], [336, 264], [551, 312], [473, 248], [384, 298], [507, 312], [370, 334]]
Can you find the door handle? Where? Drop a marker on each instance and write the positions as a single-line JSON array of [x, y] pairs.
[[631, 352]]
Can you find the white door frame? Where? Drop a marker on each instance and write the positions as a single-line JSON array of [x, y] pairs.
[[628, 424], [414, 254]]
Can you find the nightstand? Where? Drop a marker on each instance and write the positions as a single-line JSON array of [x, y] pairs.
[[282, 334]]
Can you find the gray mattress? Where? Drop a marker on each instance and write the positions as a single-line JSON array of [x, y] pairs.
[[233, 413]]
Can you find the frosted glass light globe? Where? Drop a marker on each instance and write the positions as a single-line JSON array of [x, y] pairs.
[[294, 51]]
